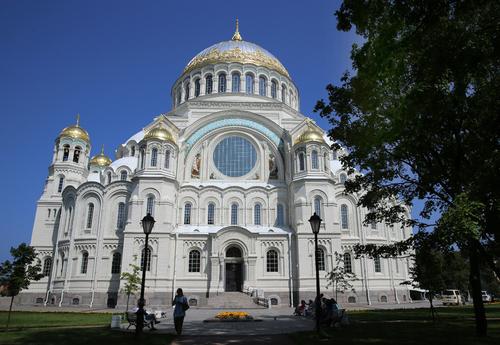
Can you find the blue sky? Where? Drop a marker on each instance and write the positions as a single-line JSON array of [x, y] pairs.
[[114, 63]]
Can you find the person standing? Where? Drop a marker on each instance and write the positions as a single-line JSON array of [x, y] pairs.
[[181, 305]]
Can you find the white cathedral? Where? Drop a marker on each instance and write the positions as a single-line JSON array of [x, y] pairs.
[[231, 175]]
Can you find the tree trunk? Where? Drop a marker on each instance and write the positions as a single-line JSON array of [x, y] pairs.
[[475, 283], [10, 310], [128, 298], [432, 308]]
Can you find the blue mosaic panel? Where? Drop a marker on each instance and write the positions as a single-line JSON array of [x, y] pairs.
[[235, 156]]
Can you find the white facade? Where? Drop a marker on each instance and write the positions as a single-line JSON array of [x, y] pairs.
[[231, 175]]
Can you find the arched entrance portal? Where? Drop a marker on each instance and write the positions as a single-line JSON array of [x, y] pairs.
[[234, 269]]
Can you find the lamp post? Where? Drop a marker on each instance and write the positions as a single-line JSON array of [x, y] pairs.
[[315, 222], [147, 225]]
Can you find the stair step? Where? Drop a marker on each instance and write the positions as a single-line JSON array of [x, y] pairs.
[[231, 300]]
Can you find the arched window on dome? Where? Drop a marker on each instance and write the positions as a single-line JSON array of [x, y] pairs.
[[132, 151], [123, 175], [234, 214], [211, 213], [90, 216], [257, 219], [314, 160], [235, 86], [292, 99], [150, 205], [109, 177], [186, 91], [142, 154], [302, 162], [249, 84], [154, 157], [222, 83], [262, 86], [208, 84], [76, 154], [325, 161], [187, 213], [274, 89], [197, 87], [167, 159], [65, 152], [283, 93]]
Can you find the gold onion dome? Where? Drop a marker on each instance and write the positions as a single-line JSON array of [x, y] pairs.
[[238, 51], [101, 159], [75, 132], [159, 133], [312, 134]]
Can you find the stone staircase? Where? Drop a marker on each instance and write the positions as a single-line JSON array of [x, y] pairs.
[[231, 300]]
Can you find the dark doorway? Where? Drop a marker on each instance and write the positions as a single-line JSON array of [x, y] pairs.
[[233, 276]]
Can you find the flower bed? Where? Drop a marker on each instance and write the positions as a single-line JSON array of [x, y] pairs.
[[232, 316]]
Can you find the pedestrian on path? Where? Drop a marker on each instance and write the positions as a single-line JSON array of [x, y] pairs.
[[181, 305]]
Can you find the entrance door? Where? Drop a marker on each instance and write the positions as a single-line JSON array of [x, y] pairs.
[[233, 276]]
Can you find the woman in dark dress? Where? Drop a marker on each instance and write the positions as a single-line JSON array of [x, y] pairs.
[[181, 305]]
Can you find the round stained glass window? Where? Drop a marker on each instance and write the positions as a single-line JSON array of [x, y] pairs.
[[235, 156]]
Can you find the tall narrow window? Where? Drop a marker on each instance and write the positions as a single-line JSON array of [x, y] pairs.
[[65, 153], [76, 154], [343, 178], [373, 225], [222, 83], [116, 264], [325, 161], [62, 263], [178, 96], [142, 153], [60, 185], [186, 92], [274, 89], [120, 219], [283, 93], [109, 177], [208, 84], [47, 267], [187, 213], [146, 259], [280, 215], [321, 259], [194, 263], [378, 266], [302, 162], [317, 205], [150, 205], [235, 85], [344, 216], [85, 263], [211, 213], [90, 215], [123, 175], [272, 261], [197, 87], [154, 157], [167, 159], [256, 215], [48, 214], [347, 263], [249, 84], [262, 86], [314, 159], [234, 214]]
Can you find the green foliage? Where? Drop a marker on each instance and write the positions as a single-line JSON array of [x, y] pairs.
[[132, 280], [338, 278]]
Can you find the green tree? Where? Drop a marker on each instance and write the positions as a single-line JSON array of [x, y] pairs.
[[132, 280], [420, 118], [339, 278], [17, 275]]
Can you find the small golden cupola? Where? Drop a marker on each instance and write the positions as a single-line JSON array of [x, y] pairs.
[[159, 132], [100, 160], [311, 134], [75, 132]]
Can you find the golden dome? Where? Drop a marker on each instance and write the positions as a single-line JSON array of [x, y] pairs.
[[312, 134], [101, 159], [75, 132], [159, 133]]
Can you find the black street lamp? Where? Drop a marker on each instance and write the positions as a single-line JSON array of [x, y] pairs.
[[315, 222], [147, 225]]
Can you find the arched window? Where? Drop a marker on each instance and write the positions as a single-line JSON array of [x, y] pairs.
[[343, 178], [154, 157], [65, 153], [62, 263], [187, 213], [211, 213], [90, 215], [378, 266], [256, 215], [274, 89], [208, 84], [317, 205], [120, 219], [234, 214], [85, 263], [314, 159], [302, 162], [249, 84], [150, 205], [61, 184], [123, 175], [179, 96], [344, 216], [132, 151], [109, 177], [167, 159], [47, 267], [222, 83], [146, 259], [283, 93], [194, 263], [48, 214], [321, 259], [272, 261], [142, 153], [347, 263], [76, 154], [116, 264], [186, 91], [262, 86], [280, 215], [197, 87], [235, 87]]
